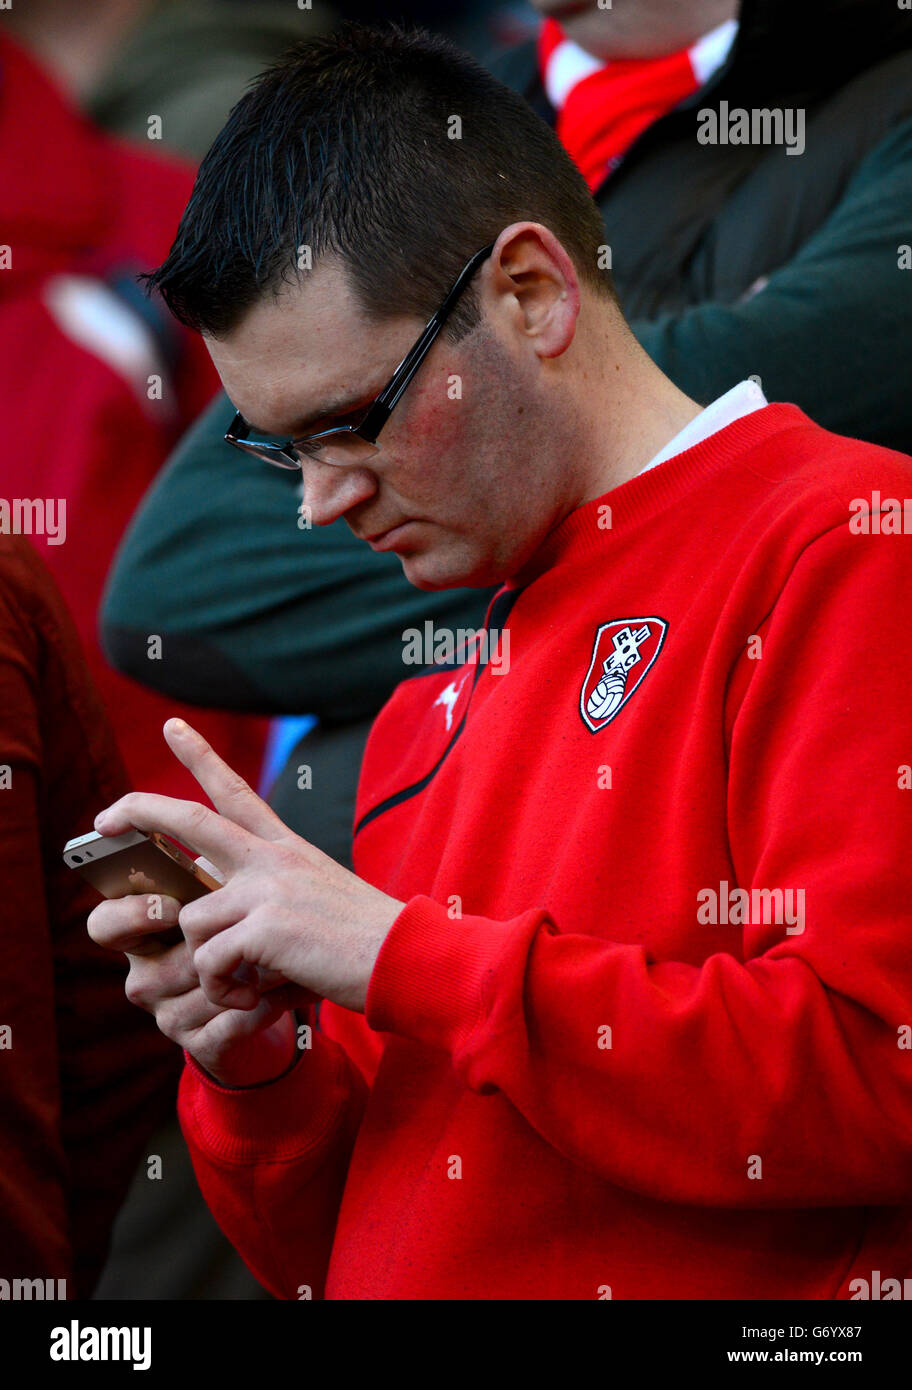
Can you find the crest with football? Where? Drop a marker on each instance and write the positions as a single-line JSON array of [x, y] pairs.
[[622, 653]]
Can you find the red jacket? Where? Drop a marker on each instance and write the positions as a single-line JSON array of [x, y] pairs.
[[84, 1075], [605, 1071], [82, 214]]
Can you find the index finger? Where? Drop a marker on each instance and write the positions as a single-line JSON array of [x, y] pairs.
[[201, 829], [225, 788]]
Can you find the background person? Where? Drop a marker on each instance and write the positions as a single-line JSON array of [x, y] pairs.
[[83, 1080], [98, 381]]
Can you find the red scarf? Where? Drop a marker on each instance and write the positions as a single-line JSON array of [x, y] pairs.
[[603, 106]]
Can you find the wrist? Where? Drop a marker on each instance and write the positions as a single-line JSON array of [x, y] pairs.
[[262, 1059]]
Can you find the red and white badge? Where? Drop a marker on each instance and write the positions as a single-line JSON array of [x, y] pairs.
[[622, 653]]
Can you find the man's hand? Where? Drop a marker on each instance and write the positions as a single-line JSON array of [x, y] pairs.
[[288, 923], [237, 1047]]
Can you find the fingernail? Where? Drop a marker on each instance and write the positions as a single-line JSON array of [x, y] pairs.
[[176, 726], [100, 820]]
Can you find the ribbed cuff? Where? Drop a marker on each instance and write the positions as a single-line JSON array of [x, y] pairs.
[[255, 1085], [282, 1118], [434, 975]]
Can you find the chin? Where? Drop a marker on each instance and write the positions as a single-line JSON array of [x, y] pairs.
[[429, 572]]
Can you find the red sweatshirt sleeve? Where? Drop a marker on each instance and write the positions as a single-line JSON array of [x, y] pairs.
[[795, 1054], [271, 1161]]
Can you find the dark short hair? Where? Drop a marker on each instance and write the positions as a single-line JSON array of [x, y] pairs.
[[346, 145]]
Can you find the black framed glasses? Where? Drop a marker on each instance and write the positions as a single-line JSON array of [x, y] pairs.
[[355, 444]]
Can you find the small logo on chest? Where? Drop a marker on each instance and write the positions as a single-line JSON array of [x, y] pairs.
[[622, 653], [448, 699]]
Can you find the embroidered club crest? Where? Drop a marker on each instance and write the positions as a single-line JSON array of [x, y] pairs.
[[622, 653]]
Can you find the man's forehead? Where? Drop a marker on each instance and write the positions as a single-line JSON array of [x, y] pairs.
[[296, 350]]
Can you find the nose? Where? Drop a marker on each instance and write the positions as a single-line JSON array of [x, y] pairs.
[[330, 491]]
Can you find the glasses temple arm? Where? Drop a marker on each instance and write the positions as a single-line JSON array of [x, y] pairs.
[[409, 365]]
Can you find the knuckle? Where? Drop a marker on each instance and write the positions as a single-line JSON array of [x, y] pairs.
[[198, 815], [171, 1017], [135, 988], [190, 923], [204, 959], [234, 784]]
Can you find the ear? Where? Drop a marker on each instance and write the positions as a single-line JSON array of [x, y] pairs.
[[536, 285]]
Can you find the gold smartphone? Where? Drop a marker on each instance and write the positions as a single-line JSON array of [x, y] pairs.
[[118, 865]]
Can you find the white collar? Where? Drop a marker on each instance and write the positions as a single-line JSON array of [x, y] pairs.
[[742, 399]]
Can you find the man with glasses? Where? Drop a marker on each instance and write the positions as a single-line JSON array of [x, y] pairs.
[[729, 260], [612, 1005]]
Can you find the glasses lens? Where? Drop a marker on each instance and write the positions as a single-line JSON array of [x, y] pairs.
[[268, 452], [280, 461], [342, 449]]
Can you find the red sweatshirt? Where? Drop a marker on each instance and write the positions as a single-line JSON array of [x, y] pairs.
[[643, 1023]]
